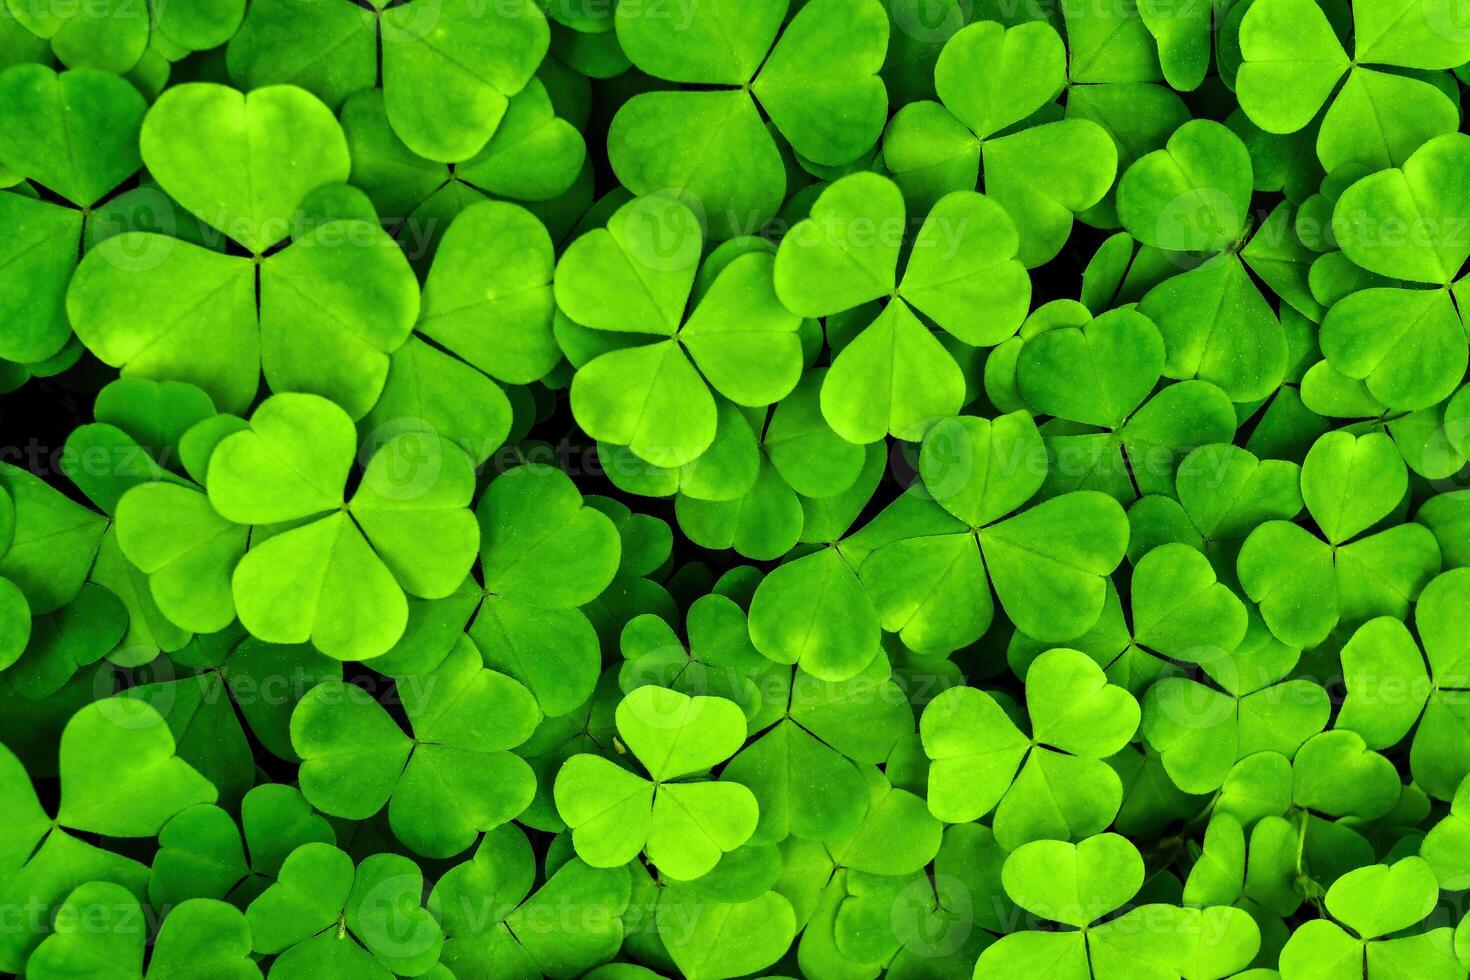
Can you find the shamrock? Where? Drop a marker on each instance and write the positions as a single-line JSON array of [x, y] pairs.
[[1406, 344], [720, 659], [228, 677], [1374, 902], [1221, 493], [1447, 845], [488, 300], [805, 765], [909, 922], [1292, 860], [545, 551], [110, 37], [150, 431], [992, 80], [1179, 613], [407, 526], [534, 156], [1250, 705], [1182, 30], [727, 471], [58, 644], [802, 80], [450, 779], [1111, 430], [1048, 564], [897, 835], [712, 936], [330, 307], [119, 777], [52, 541], [1392, 688], [686, 826], [644, 392], [450, 71], [591, 727], [169, 556], [494, 925], [980, 760], [1076, 885], [1306, 585], [1293, 62], [42, 252], [1113, 67], [640, 583], [962, 273], [203, 854], [800, 458], [815, 612], [1193, 196], [100, 929], [322, 915], [1334, 773]]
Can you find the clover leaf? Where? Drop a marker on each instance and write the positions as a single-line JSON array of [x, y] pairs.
[[544, 553], [720, 659], [407, 526], [1077, 884], [724, 939], [815, 612], [1382, 652], [1050, 583], [979, 134], [1221, 493], [1124, 438], [233, 678], [980, 760], [646, 392], [487, 299], [52, 541], [493, 922], [42, 253], [534, 156], [911, 921], [110, 37], [1250, 705], [1444, 846], [203, 854], [147, 302], [664, 139], [962, 273], [1334, 773], [324, 915], [1293, 62], [100, 928], [1373, 902], [685, 827], [799, 460], [1192, 195], [454, 776], [119, 777], [450, 115], [1179, 613], [824, 733], [60, 643], [1306, 585]]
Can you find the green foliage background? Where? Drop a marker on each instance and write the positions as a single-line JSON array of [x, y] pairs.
[[722, 488]]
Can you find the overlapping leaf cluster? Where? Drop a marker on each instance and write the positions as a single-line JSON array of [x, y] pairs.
[[888, 610]]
